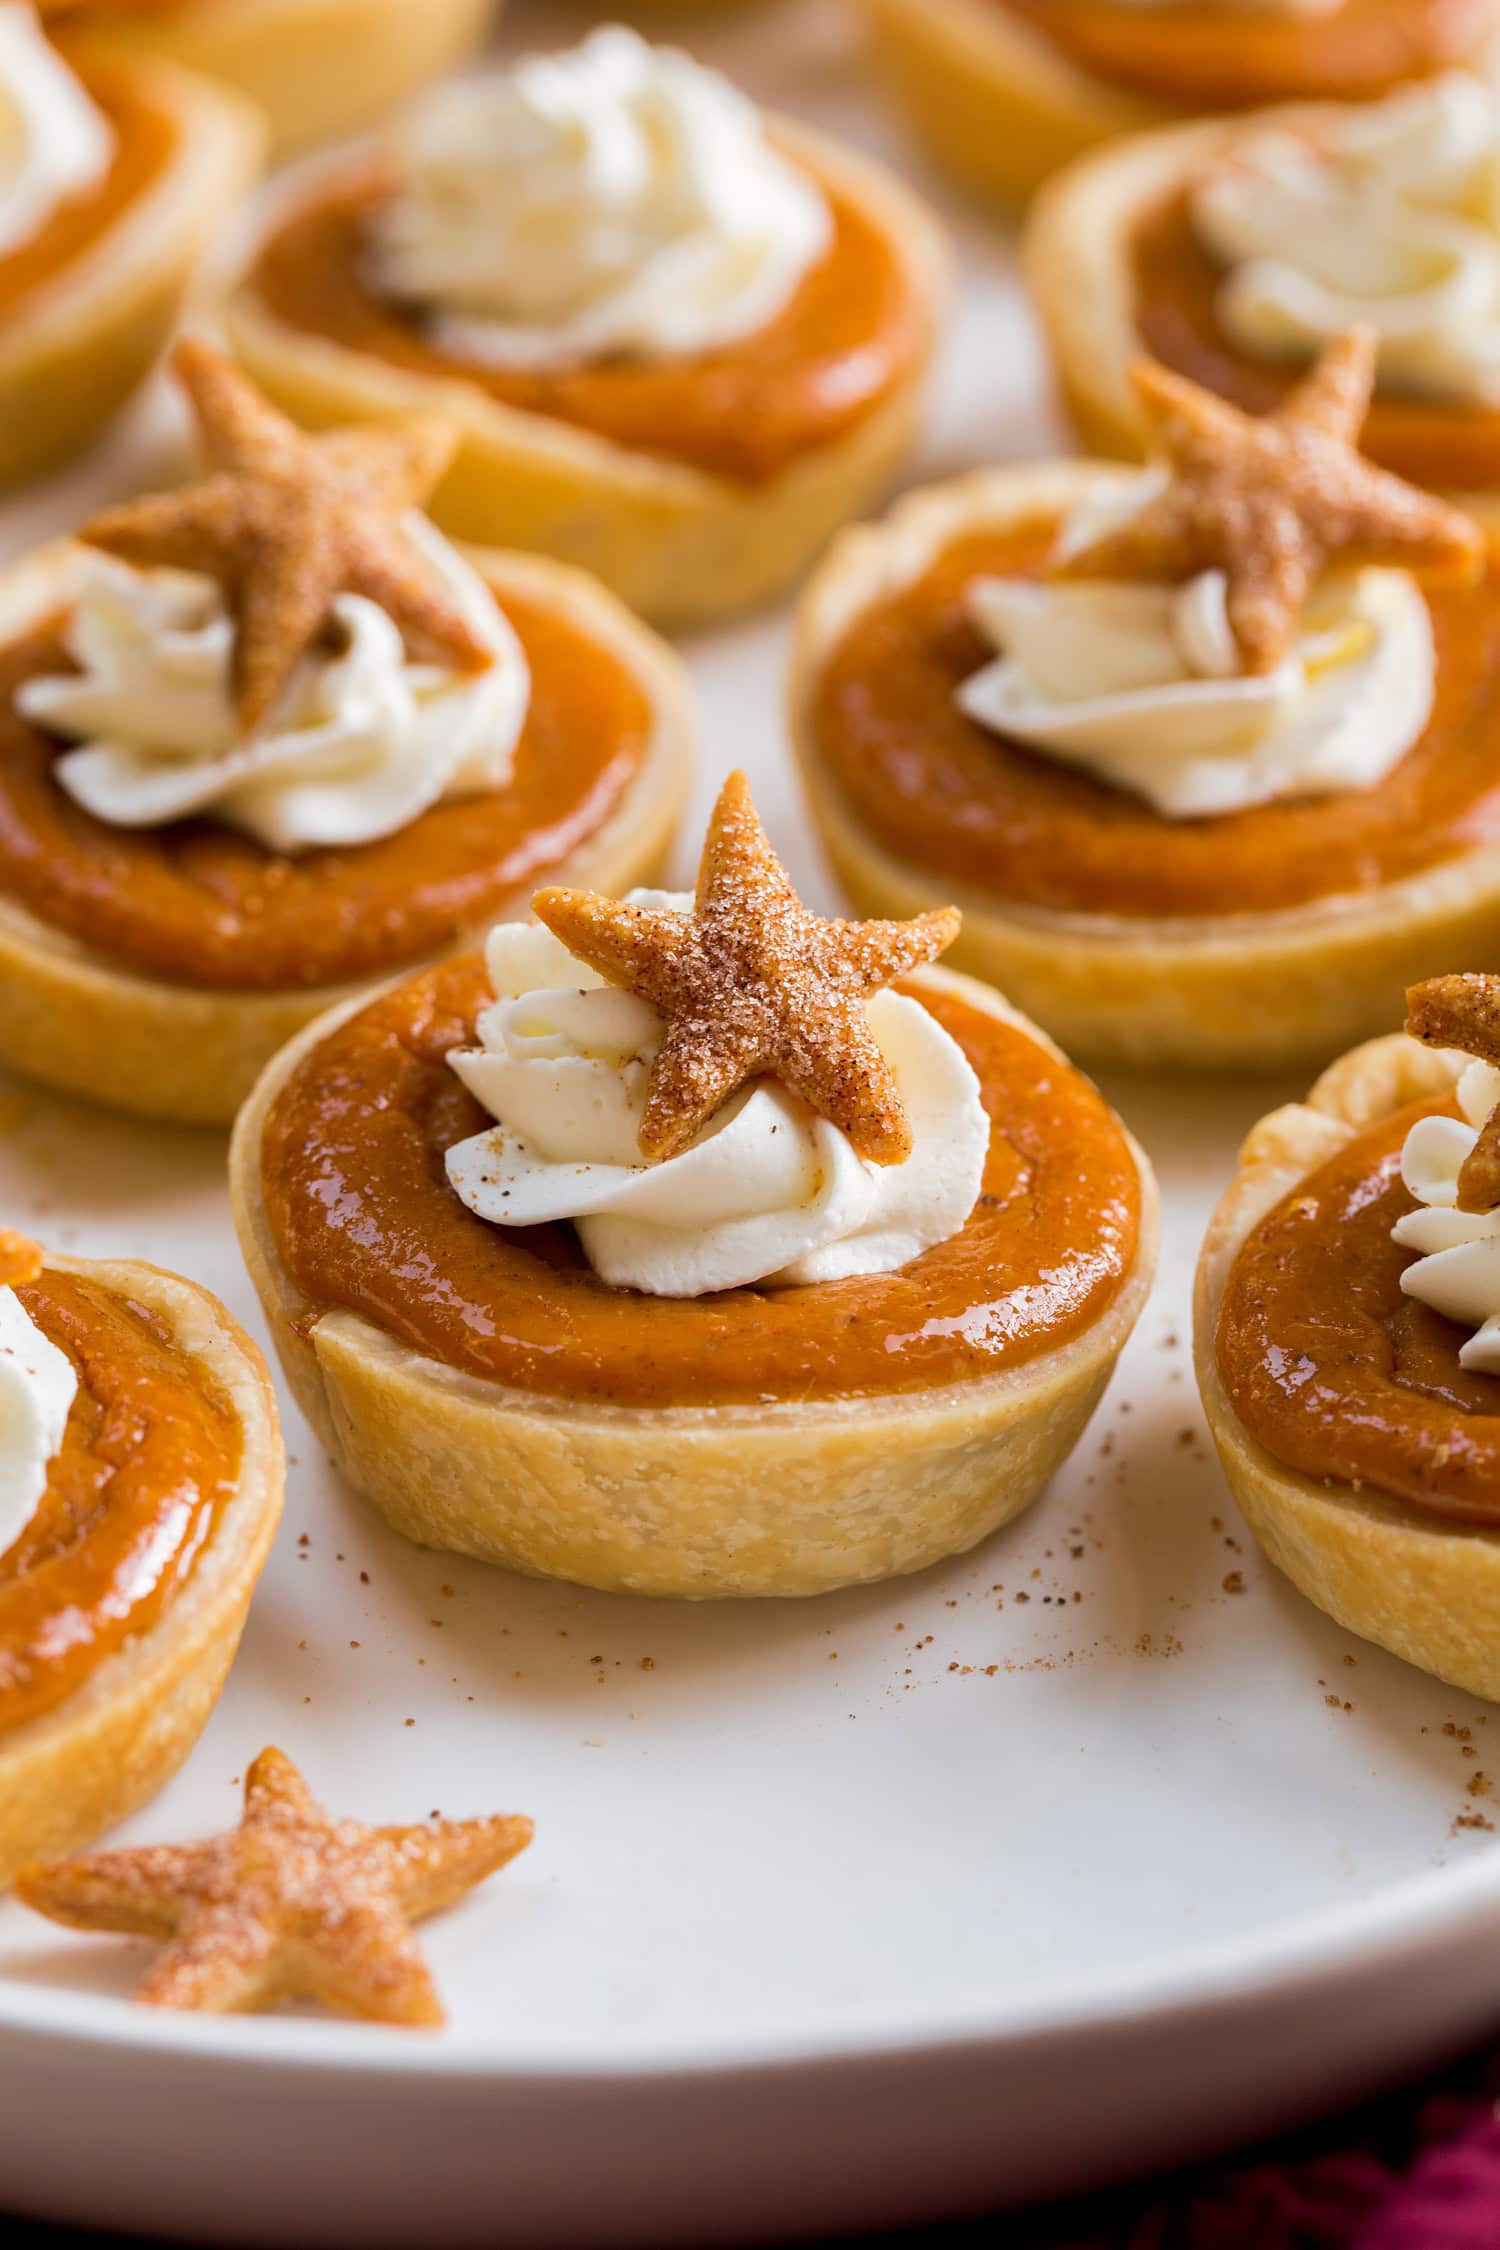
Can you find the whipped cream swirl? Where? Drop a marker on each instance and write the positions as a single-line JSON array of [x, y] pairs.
[[1457, 1268], [616, 198], [1388, 215], [1143, 686], [53, 141], [37, 1389], [768, 1192], [363, 741]]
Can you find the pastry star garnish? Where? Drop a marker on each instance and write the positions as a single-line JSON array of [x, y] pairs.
[[1464, 1012], [286, 522], [291, 1904], [751, 982], [1273, 500], [21, 1259]]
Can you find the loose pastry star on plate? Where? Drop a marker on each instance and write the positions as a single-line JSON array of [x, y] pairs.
[[290, 1905]]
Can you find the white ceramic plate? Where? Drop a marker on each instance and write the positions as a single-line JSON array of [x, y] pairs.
[[1073, 1855]]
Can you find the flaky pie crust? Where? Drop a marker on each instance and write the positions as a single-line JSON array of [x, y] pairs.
[[1236, 991], [1429, 1592], [70, 1017], [686, 1502], [680, 545], [74, 1771]]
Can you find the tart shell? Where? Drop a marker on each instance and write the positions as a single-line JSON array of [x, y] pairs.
[[679, 545], [686, 1502], [75, 347], [314, 68], [70, 1017], [1429, 1592], [74, 1771], [1077, 259], [1212, 992]]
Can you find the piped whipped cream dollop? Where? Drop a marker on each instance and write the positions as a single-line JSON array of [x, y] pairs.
[[363, 741], [768, 1192], [1143, 686], [54, 143], [1389, 215], [37, 1389], [1457, 1267], [617, 198]]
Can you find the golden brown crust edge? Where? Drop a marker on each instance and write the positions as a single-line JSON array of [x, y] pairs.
[[75, 1771], [1428, 1592], [315, 68], [1229, 992], [69, 1018], [1076, 258], [681, 547], [683, 1503], [75, 348], [990, 98]]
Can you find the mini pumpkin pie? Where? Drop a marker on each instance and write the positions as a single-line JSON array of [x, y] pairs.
[[694, 1247], [1205, 753], [270, 739], [1348, 1336], [1234, 252], [118, 175], [1007, 91], [678, 345], [140, 1486], [313, 68]]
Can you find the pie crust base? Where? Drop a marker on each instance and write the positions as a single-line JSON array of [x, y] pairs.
[[1234, 991], [679, 545], [314, 68], [993, 101], [74, 1771], [691, 1503], [189, 1055], [1078, 260], [75, 347], [1426, 1591]]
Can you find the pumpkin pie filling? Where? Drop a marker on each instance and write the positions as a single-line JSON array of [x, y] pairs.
[[938, 790], [1337, 1373], [746, 411], [1443, 444], [199, 904], [364, 1219], [144, 140], [151, 1453], [1209, 57]]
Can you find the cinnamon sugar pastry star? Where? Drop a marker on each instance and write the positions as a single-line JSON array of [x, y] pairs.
[[1463, 1013], [751, 982], [291, 1904]]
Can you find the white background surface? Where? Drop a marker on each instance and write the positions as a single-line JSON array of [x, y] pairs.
[[1070, 1767]]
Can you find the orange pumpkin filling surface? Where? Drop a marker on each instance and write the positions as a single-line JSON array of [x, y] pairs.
[[1440, 443], [151, 1453], [1202, 56], [937, 789], [747, 411], [1332, 1369], [197, 903], [364, 1219]]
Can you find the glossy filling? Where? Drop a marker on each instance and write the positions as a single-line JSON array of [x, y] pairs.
[[144, 142], [851, 333], [1332, 1369], [941, 791], [363, 1218], [1209, 57], [197, 903], [1435, 442], [152, 1453]]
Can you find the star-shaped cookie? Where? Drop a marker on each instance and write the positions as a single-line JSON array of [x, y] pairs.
[[1464, 1012], [1273, 500], [286, 522], [751, 982], [291, 1904]]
